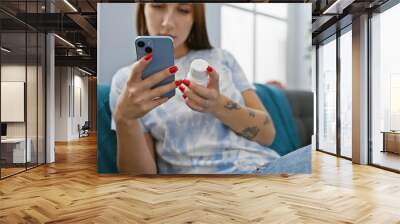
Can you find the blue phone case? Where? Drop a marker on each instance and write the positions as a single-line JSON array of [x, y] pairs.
[[163, 57]]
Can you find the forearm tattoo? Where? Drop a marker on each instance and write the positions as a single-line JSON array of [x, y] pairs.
[[250, 132], [252, 113], [230, 105]]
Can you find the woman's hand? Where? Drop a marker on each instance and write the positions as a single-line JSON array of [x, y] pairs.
[[200, 98], [137, 97]]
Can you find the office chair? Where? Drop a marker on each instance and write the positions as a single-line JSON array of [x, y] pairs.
[[84, 130]]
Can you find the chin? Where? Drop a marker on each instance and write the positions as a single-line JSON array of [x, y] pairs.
[[176, 45]]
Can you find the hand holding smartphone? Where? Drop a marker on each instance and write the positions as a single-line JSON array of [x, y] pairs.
[[162, 50], [151, 82]]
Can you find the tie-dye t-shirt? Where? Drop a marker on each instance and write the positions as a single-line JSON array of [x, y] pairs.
[[188, 141]]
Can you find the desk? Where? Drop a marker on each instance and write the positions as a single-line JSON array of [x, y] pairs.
[[391, 141], [13, 150]]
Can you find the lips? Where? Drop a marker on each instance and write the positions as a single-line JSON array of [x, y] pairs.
[[172, 36]]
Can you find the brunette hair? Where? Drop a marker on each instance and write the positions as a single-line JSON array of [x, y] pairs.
[[197, 39]]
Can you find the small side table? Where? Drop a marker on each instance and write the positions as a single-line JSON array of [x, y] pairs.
[[391, 141]]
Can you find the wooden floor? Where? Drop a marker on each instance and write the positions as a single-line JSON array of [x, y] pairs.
[[70, 191], [5, 172], [387, 159]]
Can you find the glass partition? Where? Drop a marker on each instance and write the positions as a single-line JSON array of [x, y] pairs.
[[14, 153], [327, 96], [22, 77], [31, 99]]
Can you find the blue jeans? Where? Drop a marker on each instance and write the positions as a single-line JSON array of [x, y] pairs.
[[296, 162]]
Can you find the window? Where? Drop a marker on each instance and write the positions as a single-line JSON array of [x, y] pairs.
[[385, 89], [260, 52], [394, 102], [277, 10], [327, 96], [346, 94], [239, 42], [271, 63]]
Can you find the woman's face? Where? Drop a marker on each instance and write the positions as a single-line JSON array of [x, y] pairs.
[[169, 19]]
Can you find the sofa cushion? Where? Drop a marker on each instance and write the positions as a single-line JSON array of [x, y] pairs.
[[287, 137], [106, 138]]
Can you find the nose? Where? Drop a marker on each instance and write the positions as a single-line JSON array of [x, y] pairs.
[[168, 22]]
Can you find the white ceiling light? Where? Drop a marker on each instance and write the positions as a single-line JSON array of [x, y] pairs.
[[86, 72], [338, 6], [79, 51], [5, 50], [70, 5], [65, 41]]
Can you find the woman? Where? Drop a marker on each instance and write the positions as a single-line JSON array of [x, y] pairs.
[[221, 128]]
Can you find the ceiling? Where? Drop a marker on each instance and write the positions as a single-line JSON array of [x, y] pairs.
[[77, 25], [76, 22]]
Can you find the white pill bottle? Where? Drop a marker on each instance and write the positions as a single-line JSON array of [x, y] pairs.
[[198, 72]]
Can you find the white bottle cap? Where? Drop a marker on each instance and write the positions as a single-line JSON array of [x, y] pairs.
[[198, 69]]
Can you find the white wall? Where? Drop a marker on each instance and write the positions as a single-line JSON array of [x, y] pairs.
[[115, 44], [67, 117], [61, 103], [299, 50], [14, 73], [33, 126], [17, 73], [80, 82]]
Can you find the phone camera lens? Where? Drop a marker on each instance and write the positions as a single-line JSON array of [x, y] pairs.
[[148, 49], [140, 44]]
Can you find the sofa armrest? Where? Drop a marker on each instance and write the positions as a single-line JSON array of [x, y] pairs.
[[302, 104]]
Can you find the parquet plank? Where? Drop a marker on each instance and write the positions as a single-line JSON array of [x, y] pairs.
[[70, 191]]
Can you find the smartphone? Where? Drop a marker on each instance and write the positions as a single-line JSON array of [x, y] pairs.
[[162, 49]]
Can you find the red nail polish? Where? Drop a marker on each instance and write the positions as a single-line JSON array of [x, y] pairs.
[[184, 96], [173, 69], [186, 82], [148, 57], [178, 82], [209, 69], [181, 88]]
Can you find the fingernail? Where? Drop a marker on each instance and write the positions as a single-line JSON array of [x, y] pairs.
[[178, 82], [209, 69], [148, 57], [186, 82], [181, 88], [184, 96], [173, 69]]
